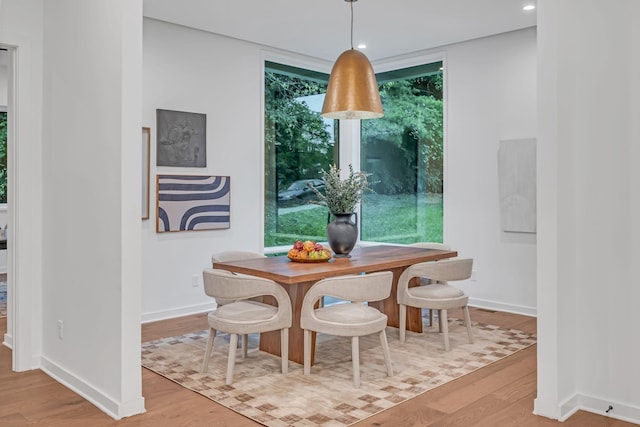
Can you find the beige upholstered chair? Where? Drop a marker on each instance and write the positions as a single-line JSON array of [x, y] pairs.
[[435, 296], [426, 280], [244, 316], [225, 256], [353, 319]]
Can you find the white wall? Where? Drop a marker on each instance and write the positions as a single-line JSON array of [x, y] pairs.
[[3, 79], [90, 235], [194, 71], [589, 206], [491, 97]]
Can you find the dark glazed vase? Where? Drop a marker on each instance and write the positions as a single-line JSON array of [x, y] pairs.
[[342, 233]]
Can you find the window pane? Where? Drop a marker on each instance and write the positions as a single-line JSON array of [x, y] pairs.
[[299, 144], [403, 152]]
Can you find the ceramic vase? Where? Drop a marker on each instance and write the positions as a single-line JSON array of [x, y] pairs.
[[342, 233]]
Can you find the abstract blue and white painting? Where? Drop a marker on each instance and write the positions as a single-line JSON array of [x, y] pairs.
[[189, 202]]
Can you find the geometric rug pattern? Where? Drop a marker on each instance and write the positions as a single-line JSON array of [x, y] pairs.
[[328, 397]]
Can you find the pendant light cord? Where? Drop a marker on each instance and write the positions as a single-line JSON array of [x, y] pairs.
[[351, 3]]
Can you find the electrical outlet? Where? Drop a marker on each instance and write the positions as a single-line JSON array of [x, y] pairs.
[[474, 275], [195, 280], [60, 329]]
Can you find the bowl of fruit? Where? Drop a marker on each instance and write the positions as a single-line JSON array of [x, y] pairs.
[[308, 251]]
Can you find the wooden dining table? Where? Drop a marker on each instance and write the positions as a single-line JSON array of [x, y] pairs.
[[297, 278]]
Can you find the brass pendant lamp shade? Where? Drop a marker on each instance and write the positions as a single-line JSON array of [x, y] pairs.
[[352, 92]]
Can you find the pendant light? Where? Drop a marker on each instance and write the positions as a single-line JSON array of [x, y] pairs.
[[352, 92]]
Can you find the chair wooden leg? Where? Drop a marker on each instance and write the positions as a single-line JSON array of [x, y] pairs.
[[307, 352], [233, 344], [284, 349], [467, 321], [355, 358], [402, 321], [385, 350], [245, 345], [431, 316], [439, 321], [444, 327], [207, 352]]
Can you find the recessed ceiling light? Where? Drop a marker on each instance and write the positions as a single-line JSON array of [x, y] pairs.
[[362, 46], [528, 5]]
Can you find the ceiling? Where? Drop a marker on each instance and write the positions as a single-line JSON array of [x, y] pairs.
[[320, 28]]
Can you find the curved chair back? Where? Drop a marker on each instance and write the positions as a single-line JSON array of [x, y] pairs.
[[225, 256], [441, 271], [358, 288], [234, 256], [227, 285]]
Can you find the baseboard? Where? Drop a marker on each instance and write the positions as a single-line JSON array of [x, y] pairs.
[[545, 408], [507, 308], [177, 312], [106, 404], [8, 341], [598, 405]]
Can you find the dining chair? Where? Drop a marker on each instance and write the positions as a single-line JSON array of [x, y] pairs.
[[426, 280], [439, 296], [245, 316], [351, 319], [226, 256]]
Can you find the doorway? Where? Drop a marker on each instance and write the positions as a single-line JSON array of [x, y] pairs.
[[6, 119], [4, 104]]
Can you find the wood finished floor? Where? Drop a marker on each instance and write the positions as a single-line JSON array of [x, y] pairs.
[[501, 394]]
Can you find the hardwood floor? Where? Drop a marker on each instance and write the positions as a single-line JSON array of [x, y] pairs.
[[498, 395]]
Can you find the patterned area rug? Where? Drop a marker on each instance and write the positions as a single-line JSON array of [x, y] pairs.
[[3, 299], [328, 397]]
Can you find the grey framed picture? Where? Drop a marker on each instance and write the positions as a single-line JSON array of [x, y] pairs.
[[181, 139]]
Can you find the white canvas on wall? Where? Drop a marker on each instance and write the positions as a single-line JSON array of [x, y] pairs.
[[517, 182]]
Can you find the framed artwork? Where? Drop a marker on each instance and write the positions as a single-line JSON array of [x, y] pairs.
[[146, 144], [181, 139], [517, 185], [192, 202]]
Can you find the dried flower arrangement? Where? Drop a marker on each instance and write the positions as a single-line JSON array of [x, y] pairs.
[[342, 195]]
